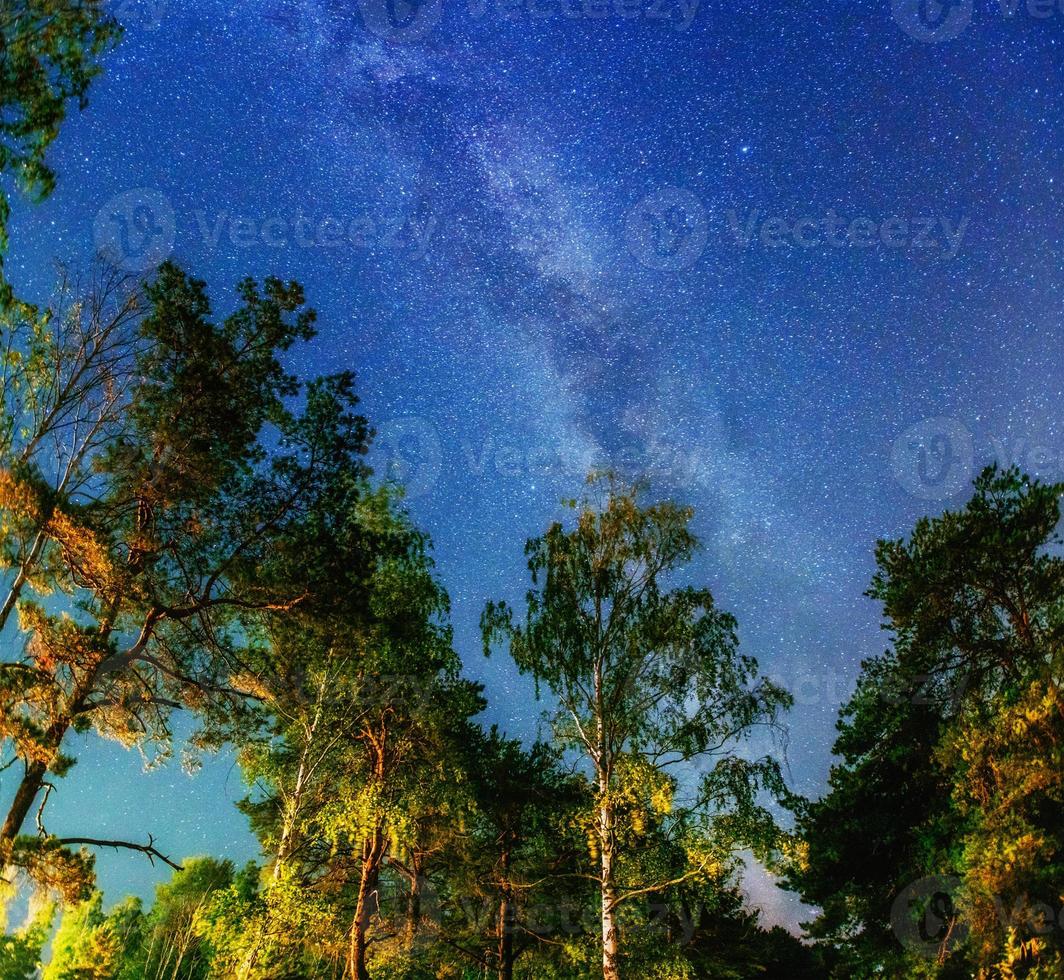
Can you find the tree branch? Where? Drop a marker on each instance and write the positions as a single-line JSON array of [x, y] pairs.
[[149, 849]]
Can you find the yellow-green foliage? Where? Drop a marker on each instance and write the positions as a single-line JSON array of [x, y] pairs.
[[1010, 773]]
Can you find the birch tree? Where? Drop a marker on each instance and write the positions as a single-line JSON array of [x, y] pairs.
[[646, 678]]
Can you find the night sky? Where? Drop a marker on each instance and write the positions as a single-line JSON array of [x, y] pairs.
[[799, 262]]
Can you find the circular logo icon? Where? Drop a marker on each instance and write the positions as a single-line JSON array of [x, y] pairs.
[[925, 917], [409, 452], [933, 459], [136, 230], [667, 230], [146, 14], [932, 21], [400, 20]]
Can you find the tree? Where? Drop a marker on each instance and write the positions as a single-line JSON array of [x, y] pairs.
[[148, 551], [357, 687], [67, 376], [949, 758], [645, 678], [170, 940], [50, 51], [21, 948], [728, 941], [513, 884], [177, 939], [90, 945]]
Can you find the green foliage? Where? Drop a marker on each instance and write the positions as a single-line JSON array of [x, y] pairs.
[[54, 868], [511, 891], [172, 940], [50, 51], [90, 945], [20, 950], [949, 749], [194, 476], [646, 677]]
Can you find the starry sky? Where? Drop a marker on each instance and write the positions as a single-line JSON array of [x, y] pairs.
[[798, 262]]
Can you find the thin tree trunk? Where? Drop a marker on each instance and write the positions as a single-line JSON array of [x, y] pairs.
[[606, 828], [506, 922], [291, 810], [611, 946], [21, 578], [372, 852], [413, 904]]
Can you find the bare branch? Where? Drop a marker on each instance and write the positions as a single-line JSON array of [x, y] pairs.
[[149, 849]]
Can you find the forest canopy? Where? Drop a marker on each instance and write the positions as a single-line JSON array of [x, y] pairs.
[[190, 527]]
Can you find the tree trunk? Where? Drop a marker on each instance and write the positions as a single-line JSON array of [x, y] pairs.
[[290, 811], [21, 578], [506, 923], [413, 902], [33, 779], [607, 831], [26, 793], [372, 852], [610, 939]]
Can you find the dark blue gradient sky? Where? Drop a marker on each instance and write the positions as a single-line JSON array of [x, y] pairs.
[[796, 261]]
